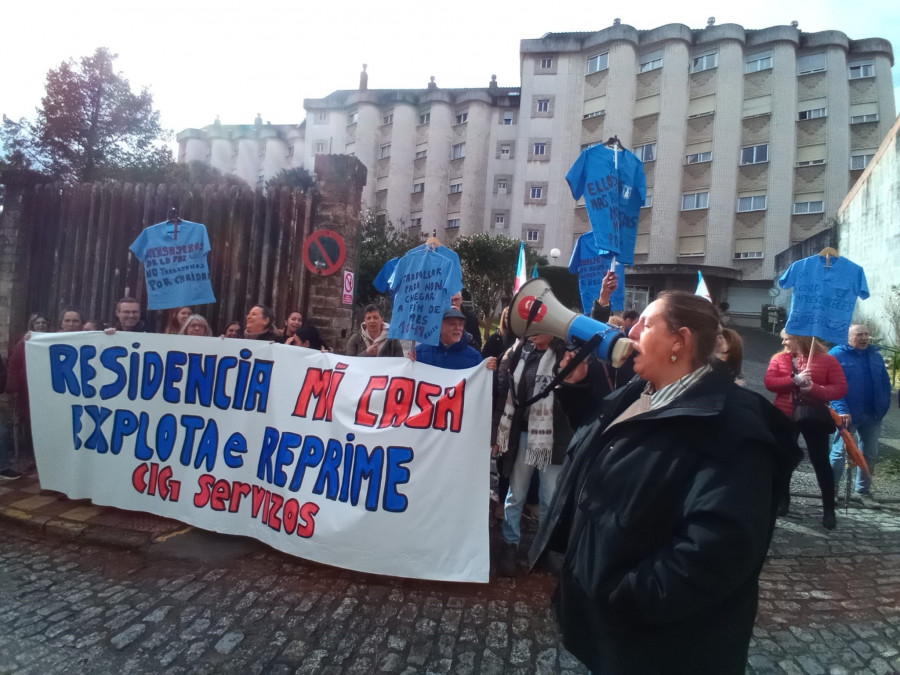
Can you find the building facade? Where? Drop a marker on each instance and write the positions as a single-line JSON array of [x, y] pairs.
[[750, 139], [253, 152]]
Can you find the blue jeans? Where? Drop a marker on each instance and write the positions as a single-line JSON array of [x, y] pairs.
[[519, 480], [867, 438]]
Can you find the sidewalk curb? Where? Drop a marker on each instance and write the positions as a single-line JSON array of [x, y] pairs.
[[67, 529]]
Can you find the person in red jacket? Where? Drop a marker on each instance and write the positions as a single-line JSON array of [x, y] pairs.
[[805, 369]]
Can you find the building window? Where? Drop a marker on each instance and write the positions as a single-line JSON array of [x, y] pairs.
[[596, 113], [757, 203], [704, 62], [650, 64], [505, 151], [755, 154], [509, 118], [546, 63], [499, 220], [462, 117], [425, 117], [859, 119], [290, 151], [858, 162], [388, 119], [697, 200], [540, 149], [809, 207], [455, 188], [452, 222], [811, 63], [385, 151], [502, 186], [598, 62], [648, 202], [352, 117], [321, 116], [812, 114], [320, 147], [262, 150], [646, 153], [419, 187], [743, 255], [543, 105], [537, 193], [533, 235], [415, 222], [698, 158], [420, 154], [861, 70], [458, 151], [757, 62]]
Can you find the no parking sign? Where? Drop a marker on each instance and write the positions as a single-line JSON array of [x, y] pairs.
[[347, 297]]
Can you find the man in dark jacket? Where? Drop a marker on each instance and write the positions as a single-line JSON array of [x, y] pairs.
[[454, 350], [665, 519], [866, 403]]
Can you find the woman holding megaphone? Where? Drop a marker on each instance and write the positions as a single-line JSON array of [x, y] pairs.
[[665, 507]]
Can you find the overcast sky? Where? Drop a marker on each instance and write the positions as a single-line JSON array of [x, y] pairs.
[[202, 59]]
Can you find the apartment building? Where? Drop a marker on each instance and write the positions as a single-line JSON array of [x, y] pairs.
[[750, 139], [253, 152]]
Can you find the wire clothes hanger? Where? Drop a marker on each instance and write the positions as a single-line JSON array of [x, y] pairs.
[[173, 222], [829, 252]]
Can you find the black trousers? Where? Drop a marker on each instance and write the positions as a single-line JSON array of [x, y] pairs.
[[818, 446]]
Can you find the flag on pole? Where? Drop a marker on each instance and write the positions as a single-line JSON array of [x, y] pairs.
[[702, 290], [520, 269]]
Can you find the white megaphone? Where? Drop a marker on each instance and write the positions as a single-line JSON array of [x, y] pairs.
[[535, 309]]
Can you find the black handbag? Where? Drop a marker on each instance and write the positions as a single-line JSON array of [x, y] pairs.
[[809, 415]]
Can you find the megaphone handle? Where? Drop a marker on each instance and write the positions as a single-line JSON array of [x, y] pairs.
[[612, 265]]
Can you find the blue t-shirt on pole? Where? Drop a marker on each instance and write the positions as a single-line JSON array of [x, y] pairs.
[[174, 256], [383, 280], [824, 297], [614, 186], [591, 265], [421, 286]]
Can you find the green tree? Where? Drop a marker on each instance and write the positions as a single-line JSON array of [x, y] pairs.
[[90, 125], [292, 178], [379, 241], [489, 270], [199, 174]]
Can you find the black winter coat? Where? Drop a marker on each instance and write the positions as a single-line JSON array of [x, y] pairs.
[[665, 519]]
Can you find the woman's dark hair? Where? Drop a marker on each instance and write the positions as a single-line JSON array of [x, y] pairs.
[[268, 314], [686, 310], [734, 356], [309, 333], [63, 313]]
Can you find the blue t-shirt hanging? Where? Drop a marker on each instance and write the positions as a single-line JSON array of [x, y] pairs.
[[824, 297], [174, 257], [614, 186], [591, 265], [382, 281], [421, 287]]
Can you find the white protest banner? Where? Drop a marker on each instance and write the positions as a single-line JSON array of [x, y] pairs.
[[379, 465]]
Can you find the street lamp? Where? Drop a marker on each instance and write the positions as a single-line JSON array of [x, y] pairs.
[[554, 253]]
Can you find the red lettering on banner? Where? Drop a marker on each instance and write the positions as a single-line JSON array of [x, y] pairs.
[[158, 482]]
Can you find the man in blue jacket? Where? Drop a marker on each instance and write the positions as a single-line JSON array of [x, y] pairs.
[[866, 403], [454, 351]]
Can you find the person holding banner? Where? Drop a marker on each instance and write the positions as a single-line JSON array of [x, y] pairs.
[[372, 338], [665, 507], [260, 324], [805, 372]]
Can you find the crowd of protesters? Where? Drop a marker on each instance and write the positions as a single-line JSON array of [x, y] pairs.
[[658, 482]]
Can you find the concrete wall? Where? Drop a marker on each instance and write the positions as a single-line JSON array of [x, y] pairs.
[[869, 228]]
